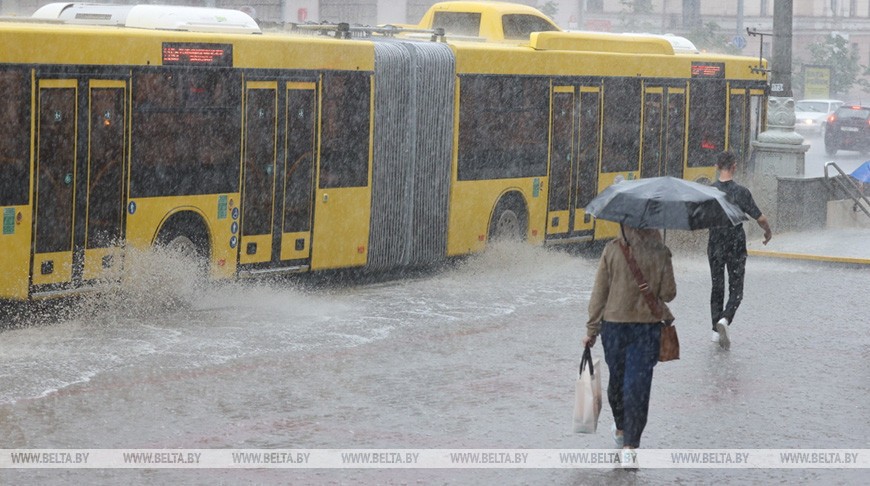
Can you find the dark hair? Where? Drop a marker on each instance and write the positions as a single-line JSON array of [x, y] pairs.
[[725, 160]]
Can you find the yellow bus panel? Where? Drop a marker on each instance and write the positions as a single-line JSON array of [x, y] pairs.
[[341, 228], [704, 175], [263, 244], [561, 219], [68, 44], [15, 250], [50, 268], [580, 223], [103, 263], [289, 249], [146, 216], [470, 219]]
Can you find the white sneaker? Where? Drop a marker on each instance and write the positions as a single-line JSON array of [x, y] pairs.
[[722, 331], [617, 439], [714, 337]]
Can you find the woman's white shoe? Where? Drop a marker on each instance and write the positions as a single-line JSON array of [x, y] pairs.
[[617, 439]]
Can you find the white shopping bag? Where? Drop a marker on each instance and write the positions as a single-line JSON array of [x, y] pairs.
[[587, 399]]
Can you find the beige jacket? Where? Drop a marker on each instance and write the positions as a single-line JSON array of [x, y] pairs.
[[616, 297]]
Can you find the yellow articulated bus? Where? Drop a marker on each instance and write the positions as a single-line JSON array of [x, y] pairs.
[[329, 147]]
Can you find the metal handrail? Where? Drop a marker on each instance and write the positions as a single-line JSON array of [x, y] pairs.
[[855, 193], [346, 31]]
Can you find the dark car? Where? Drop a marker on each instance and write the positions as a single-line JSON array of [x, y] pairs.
[[848, 128]]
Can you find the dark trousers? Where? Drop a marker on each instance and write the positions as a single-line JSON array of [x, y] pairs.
[[631, 350], [734, 262]]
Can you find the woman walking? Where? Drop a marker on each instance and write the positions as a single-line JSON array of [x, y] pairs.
[[630, 332]]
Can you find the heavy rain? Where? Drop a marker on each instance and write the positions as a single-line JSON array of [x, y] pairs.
[[478, 355]]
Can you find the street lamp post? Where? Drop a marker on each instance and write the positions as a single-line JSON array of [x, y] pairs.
[[782, 40], [781, 118], [779, 152]]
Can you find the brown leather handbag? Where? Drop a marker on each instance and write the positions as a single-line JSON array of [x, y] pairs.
[[670, 346], [670, 343]]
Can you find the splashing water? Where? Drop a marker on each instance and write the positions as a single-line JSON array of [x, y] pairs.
[[161, 314]]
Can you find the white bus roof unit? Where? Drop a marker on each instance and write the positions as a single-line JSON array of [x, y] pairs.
[[154, 17]]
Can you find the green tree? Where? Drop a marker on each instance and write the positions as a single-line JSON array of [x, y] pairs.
[[550, 8], [846, 72], [710, 38], [632, 13]]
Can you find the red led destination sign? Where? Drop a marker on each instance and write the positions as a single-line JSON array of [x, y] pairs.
[[188, 54], [708, 70]]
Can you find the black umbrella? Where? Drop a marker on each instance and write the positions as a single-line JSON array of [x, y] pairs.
[[665, 203]]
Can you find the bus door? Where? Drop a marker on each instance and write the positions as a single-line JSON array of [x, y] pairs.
[[298, 174], [278, 191], [80, 180], [574, 152], [57, 112], [664, 128], [105, 193], [743, 115], [588, 152], [260, 157]]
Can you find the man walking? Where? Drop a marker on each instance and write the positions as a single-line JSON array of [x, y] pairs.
[[726, 250]]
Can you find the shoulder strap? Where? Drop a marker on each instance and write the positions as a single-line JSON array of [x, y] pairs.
[[651, 299]]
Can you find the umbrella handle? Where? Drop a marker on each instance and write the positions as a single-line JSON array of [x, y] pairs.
[[622, 230]]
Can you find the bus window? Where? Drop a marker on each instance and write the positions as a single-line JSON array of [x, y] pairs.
[[503, 126], [757, 113], [204, 105], [738, 124], [653, 114], [56, 169], [259, 162], [707, 104], [588, 147], [458, 23], [621, 125], [301, 117], [562, 156], [344, 146], [14, 142], [518, 26], [676, 126]]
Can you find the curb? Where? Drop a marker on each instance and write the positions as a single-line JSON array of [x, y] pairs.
[[808, 257]]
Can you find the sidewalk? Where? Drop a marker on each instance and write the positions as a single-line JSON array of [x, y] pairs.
[[850, 246]]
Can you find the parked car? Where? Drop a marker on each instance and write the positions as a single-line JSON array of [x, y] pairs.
[[810, 115], [848, 128]]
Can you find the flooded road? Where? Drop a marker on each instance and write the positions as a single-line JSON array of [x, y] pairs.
[[481, 354], [816, 158]]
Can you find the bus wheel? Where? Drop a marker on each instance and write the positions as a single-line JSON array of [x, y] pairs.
[[186, 236], [509, 222], [184, 247], [190, 250]]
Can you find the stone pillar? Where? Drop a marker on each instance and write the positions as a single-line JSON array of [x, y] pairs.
[[778, 152]]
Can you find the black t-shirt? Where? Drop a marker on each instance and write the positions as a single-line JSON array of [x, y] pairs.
[[733, 238]]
